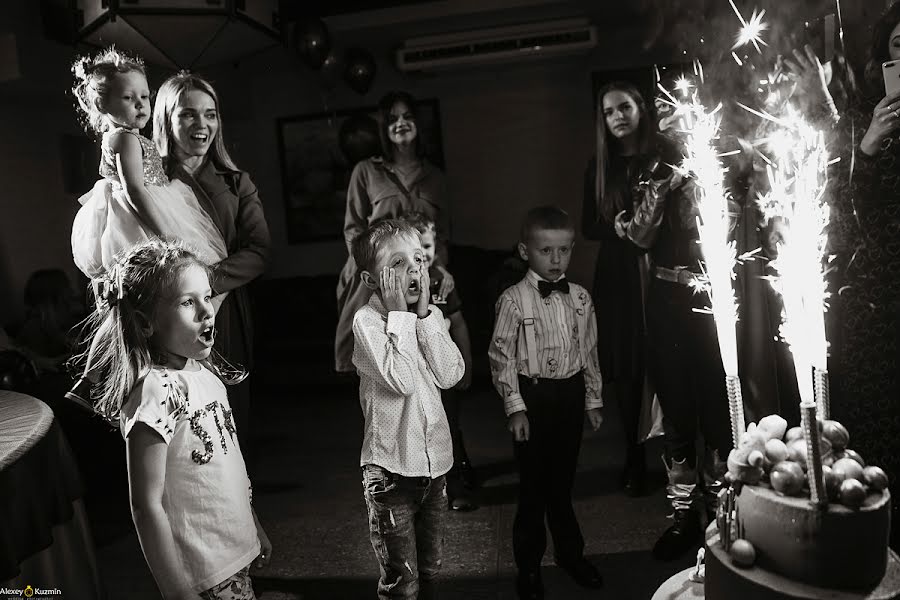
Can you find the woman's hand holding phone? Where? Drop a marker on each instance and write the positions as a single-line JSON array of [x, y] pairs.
[[885, 121]]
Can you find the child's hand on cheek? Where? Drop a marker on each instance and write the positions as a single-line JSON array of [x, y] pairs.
[[424, 294], [392, 293]]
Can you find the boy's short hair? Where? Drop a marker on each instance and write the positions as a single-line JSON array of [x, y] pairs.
[[545, 217], [421, 221], [365, 246]]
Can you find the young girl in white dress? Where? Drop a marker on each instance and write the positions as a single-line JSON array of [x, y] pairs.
[[134, 200], [190, 494]]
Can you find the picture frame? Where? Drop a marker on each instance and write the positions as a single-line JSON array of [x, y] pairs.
[[318, 152]]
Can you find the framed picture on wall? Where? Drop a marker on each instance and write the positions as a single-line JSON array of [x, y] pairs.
[[318, 153]]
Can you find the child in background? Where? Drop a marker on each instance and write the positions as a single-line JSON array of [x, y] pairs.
[[134, 200], [403, 353], [190, 495], [52, 309], [461, 478], [544, 365]]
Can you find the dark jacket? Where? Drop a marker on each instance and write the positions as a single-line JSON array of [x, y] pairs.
[[232, 200]]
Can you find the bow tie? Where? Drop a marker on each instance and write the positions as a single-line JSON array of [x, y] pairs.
[[547, 287]]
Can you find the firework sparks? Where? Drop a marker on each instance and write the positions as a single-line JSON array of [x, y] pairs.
[[797, 177], [750, 31], [684, 85], [702, 162]]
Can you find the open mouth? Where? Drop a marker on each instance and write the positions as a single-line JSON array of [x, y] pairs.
[[208, 335], [413, 286], [201, 138]]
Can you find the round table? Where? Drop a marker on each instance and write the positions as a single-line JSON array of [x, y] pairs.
[[45, 540]]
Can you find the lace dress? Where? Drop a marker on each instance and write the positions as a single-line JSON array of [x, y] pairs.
[[107, 224]]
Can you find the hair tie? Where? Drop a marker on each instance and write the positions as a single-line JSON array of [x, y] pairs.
[[79, 68], [113, 286]]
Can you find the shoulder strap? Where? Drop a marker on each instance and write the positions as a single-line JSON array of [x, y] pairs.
[[531, 362]]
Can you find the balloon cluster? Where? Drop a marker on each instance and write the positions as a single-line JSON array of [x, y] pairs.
[[312, 42]]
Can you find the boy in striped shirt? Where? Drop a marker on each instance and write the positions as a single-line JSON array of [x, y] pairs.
[[544, 364]]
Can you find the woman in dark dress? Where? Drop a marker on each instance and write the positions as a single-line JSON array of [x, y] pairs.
[[626, 149]]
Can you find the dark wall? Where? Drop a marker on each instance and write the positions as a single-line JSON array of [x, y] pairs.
[[514, 135]]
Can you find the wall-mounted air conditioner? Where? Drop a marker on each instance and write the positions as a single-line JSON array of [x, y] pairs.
[[500, 44]]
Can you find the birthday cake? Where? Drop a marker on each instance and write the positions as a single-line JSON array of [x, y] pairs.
[[774, 537]]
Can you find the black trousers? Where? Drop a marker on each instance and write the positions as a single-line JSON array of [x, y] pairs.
[[686, 367], [547, 463]]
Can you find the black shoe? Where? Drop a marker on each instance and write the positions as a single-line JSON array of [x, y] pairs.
[[683, 536], [634, 481], [467, 474], [583, 573], [80, 394], [529, 585], [461, 503]]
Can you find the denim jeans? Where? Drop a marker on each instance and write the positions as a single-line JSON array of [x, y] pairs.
[[406, 527]]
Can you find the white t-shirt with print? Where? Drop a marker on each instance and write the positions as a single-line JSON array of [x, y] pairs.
[[207, 492]]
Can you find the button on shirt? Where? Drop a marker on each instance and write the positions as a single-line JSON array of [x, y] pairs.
[[565, 333], [402, 361]]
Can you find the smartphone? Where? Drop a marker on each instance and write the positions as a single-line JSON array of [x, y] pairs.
[[891, 72]]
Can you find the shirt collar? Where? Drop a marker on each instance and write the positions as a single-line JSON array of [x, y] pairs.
[[533, 278]]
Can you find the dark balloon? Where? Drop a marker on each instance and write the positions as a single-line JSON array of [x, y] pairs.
[[358, 138], [359, 72], [312, 42]]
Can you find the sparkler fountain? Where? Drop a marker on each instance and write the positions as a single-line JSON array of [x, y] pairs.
[[702, 163], [797, 180]]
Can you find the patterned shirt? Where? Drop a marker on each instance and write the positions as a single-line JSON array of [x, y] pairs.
[[566, 335], [402, 361], [207, 493]]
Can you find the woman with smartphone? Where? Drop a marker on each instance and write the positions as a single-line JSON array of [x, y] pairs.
[[866, 226], [883, 72]]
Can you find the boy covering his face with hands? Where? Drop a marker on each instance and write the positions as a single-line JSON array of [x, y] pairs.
[[403, 353]]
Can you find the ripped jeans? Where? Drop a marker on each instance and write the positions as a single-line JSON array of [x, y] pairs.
[[406, 527]]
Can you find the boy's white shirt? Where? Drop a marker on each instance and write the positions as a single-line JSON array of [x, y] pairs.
[[402, 362], [561, 352]]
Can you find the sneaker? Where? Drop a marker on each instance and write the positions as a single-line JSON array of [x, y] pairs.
[[462, 503], [529, 585], [683, 536]]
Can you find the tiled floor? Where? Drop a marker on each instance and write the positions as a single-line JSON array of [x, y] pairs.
[[307, 493]]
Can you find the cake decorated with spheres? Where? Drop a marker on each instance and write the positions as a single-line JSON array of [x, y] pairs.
[[772, 540]]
